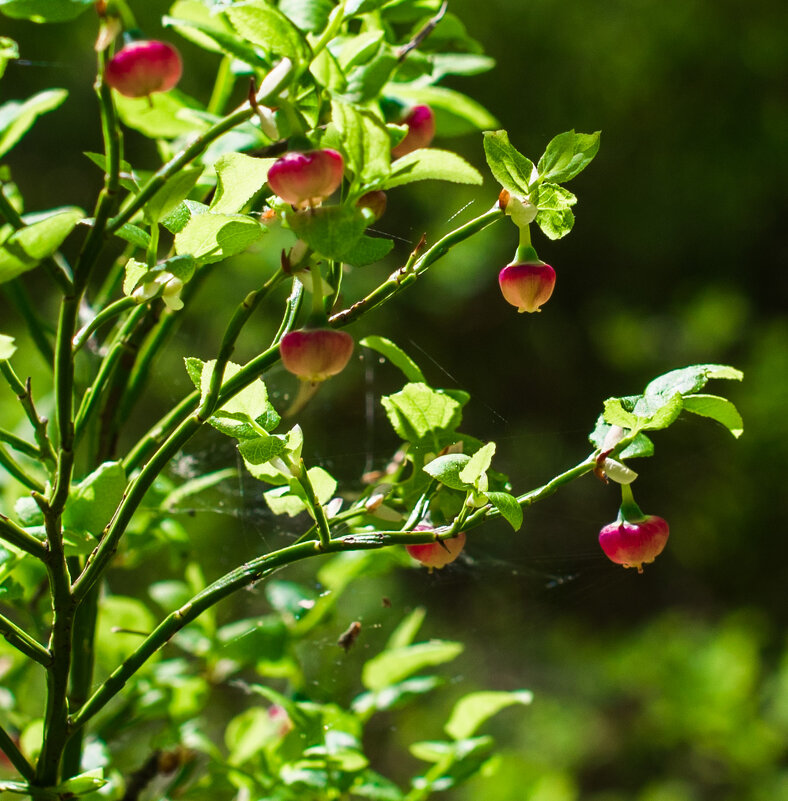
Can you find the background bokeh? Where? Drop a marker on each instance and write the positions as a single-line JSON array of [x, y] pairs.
[[670, 686]]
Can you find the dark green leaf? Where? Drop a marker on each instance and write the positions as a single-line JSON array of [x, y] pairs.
[[511, 168], [368, 250], [397, 356], [94, 500], [332, 231], [566, 155], [507, 505], [262, 449], [717, 408]]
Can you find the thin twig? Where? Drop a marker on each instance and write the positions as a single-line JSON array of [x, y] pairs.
[[403, 51]]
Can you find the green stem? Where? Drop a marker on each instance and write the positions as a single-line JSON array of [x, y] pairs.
[[23, 642], [157, 435], [335, 21], [104, 316], [222, 87], [231, 582], [60, 645], [267, 94], [404, 277], [19, 538], [15, 756], [81, 676], [18, 472], [114, 278], [318, 513], [37, 329], [19, 444], [24, 395], [108, 365]]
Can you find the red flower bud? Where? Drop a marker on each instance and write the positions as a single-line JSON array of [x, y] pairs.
[[421, 129], [315, 354], [305, 179], [527, 286], [439, 553], [634, 543], [144, 67]]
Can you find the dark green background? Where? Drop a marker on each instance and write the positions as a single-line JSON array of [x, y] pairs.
[[670, 686]]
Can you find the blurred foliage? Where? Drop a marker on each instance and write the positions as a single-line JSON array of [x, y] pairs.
[[668, 687]]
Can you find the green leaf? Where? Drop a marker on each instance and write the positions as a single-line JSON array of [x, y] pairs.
[[332, 231], [290, 500], [264, 25], [213, 237], [359, 49], [690, 379], [555, 224], [567, 155], [455, 113], [396, 695], [45, 10], [93, 501], [9, 50], [83, 784], [356, 7], [171, 194], [373, 786], [262, 449], [239, 179], [475, 708], [365, 140], [397, 356], [16, 117], [7, 347], [432, 164], [365, 82], [162, 115], [659, 415], [128, 180], [392, 666], [511, 168], [417, 411], [134, 235], [368, 250], [478, 465], [448, 468], [507, 505], [407, 629], [460, 64], [25, 248], [641, 446], [195, 22], [309, 15], [717, 408], [615, 414]]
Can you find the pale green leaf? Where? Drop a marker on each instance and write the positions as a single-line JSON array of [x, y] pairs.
[[397, 356], [25, 248], [717, 408], [266, 26], [45, 10], [566, 155], [474, 709], [478, 465], [691, 379], [432, 164], [510, 168], [7, 347], [171, 194], [162, 115], [16, 117], [213, 237], [417, 411], [392, 666], [239, 179]]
